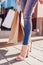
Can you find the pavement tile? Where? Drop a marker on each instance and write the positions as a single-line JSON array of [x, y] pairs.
[[37, 54], [33, 61], [3, 61], [38, 43], [9, 53], [18, 46], [20, 63]]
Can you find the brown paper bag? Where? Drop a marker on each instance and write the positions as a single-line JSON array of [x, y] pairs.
[[17, 33]]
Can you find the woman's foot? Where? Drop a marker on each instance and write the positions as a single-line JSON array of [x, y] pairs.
[[19, 58], [29, 49], [23, 53]]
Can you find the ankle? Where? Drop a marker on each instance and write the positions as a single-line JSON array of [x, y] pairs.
[[24, 51]]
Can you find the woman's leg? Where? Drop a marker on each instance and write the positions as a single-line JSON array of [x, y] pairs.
[[23, 3], [28, 20], [27, 27]]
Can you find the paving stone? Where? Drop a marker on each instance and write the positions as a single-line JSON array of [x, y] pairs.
[[18, 46], [38, 44], [37, 54], [9, 53], [33, 61], [3, 61], [20, 63]]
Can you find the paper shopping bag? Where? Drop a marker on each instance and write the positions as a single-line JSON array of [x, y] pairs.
[[21, 30], [40, 10], [17, 32], [8, 19]]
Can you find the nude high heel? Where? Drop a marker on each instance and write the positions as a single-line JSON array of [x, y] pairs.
[[23, 53], [29, 49], [30, 46]]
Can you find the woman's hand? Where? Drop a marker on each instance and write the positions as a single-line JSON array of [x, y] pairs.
[[18, 2], [41, 1]]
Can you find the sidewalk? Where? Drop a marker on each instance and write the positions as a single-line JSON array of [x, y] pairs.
[[8, 54]]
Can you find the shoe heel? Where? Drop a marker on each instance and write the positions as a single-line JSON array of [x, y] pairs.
[[30, 47]]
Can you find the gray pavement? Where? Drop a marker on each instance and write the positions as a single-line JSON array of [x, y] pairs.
[[8, 54]]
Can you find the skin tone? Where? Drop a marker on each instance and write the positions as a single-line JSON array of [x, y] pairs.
[[18, 2]]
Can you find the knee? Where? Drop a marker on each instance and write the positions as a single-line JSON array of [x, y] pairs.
[[26, 16]]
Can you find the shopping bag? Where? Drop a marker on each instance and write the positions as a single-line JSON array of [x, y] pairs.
[[40, 10], [8, 19], [20, 30], [17, 33]]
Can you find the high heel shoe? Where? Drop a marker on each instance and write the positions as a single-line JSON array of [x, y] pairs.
[[23, 53], [29, 49]]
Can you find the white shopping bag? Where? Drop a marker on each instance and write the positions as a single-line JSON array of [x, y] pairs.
[[40, 10], [9, 18]]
